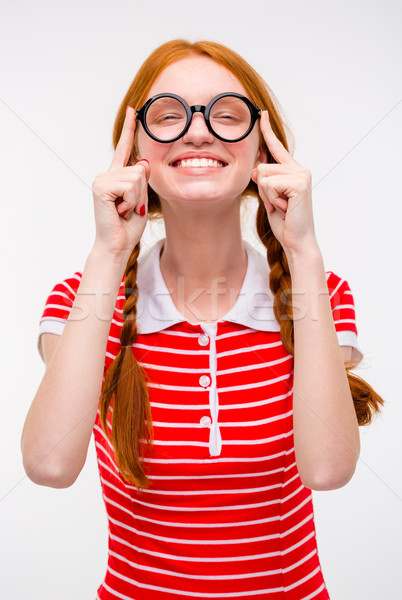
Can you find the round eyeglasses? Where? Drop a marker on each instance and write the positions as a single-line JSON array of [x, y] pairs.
[[230, 117]]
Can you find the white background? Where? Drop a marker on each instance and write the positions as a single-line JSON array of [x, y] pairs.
[[65, 67]]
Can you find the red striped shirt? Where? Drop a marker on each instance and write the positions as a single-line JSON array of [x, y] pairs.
[[226, 515]]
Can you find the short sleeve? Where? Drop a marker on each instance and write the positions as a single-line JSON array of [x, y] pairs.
[[344, 314], [57, 307]]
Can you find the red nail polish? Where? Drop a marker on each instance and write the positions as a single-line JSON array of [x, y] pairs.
[[142, 210], [124, 212], [146, 160]]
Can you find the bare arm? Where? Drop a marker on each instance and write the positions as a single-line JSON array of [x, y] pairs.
[[326, 431], [325, 425], [59, 423]]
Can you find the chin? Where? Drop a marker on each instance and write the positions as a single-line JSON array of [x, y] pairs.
[[207, 191], [196, 192]]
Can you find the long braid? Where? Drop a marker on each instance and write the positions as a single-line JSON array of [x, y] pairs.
[[279, 278], [365, 398], [125, 387]]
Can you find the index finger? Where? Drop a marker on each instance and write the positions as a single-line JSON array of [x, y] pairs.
[[125, 143], [275, 146]]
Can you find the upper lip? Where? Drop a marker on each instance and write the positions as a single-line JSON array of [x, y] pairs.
[[199, 154]]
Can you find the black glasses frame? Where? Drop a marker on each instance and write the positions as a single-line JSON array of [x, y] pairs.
[[141, 113]]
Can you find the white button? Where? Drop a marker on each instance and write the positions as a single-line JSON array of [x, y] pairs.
[[205, 421], [204, 380], [203, 340]]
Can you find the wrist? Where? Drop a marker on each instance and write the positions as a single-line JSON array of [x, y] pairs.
[[308, 257], [102, 256]]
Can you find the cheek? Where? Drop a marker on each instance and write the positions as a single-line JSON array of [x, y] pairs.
[[151, 150], [248, 153]]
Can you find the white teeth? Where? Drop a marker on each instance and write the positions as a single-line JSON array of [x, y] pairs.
[[199, 162]]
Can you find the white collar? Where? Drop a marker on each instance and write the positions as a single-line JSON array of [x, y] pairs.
[[156, 310]]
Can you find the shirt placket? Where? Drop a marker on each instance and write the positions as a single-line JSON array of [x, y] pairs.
[[215, 438]]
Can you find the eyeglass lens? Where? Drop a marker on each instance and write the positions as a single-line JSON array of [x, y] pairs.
[[229, 118]]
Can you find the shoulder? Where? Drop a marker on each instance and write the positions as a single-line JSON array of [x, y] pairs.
[[69, 284], [338, 287]]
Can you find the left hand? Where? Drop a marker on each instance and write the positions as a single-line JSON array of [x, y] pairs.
[[285, 189]]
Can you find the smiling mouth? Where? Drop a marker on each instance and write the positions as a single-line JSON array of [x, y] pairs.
[[198, 162]]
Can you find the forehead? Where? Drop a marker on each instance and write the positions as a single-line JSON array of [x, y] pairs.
[[197, 79]]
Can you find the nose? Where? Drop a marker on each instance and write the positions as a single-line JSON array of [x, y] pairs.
[[198, 132]]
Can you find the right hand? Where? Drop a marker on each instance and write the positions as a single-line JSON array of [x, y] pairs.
[[117, 190]]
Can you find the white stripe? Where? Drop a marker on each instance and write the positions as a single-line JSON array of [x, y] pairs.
[[303, 541], [209, 461], [100, 430], [344, 321], [289, 481], [337, 288], [112, 471], [248, 386], [63, 295], [229, 476], [59, 307], [245, 349], [233, 388], [177, 388], [180, 592], [117, 322], [191, 542], [112, 356], [300, 524], [340, 306], [201, 492], [175, 444], [244, 405], [168, 350], [197, 425], [164, 368], [258, 441], [68, 287], [142, 550], [302, 560], [172, 333], [294, 585], [255, 366], [223, 336], [181, 334], [315, 593], [294, 510], [210, 577], [216, 508]]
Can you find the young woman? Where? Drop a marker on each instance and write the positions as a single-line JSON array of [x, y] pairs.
[[213, 380]]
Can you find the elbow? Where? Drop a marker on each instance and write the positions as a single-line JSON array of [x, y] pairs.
[[330, 479], [48, 475]]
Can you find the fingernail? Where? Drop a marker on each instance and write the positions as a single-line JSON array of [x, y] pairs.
[[146, 160], [124, 212], [142, 210], [253, 174]]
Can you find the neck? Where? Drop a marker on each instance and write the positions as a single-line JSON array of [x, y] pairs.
[[201, 247]]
